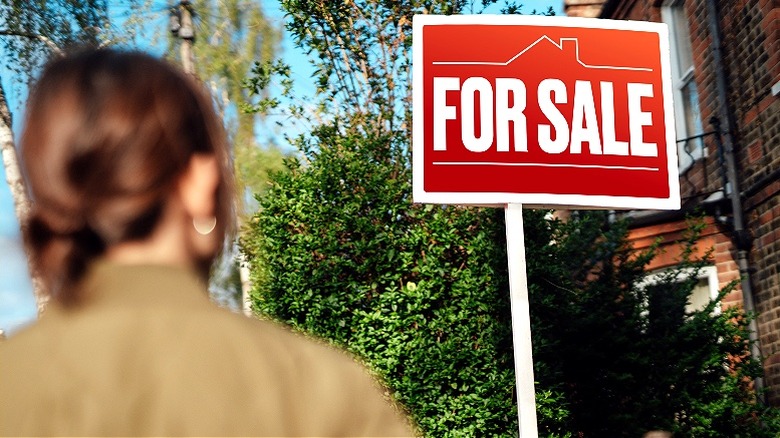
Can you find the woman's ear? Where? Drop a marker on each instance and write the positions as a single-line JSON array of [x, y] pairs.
[[198, 186]]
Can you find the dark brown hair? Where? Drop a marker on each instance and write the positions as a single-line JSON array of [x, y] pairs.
[[106, 137]]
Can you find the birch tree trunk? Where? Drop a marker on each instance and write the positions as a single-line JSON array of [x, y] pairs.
[[13, 176]]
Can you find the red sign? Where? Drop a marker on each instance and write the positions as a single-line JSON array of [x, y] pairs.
[[543, 111]]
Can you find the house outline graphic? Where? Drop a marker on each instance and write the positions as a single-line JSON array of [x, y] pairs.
[[558, 45]]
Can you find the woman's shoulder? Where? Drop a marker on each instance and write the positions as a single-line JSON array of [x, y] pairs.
[[206, 358], [327, 387], [291, 351]]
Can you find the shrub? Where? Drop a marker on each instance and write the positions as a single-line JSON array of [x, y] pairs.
[[417, 291], [420, 293]]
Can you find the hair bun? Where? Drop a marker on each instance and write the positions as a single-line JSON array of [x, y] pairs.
[[64, 250]]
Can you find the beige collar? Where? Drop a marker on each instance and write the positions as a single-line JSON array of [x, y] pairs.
[[109, 283]]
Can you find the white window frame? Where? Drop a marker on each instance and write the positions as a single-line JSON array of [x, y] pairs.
[[680, 79], [710, 273]]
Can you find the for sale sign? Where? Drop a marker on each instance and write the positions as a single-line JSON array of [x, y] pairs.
[[543, 111]]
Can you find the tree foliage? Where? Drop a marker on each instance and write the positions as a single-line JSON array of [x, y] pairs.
[[33, 29], [230, 36], [338, 250]]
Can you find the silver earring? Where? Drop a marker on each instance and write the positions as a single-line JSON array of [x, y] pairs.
[[204, 226]]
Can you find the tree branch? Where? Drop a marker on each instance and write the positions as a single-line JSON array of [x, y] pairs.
[[47, 41], [22, 204]]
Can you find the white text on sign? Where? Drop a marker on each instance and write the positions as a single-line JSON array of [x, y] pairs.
[[553, 138]]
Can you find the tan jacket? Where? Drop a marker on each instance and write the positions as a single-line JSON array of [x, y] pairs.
[[148, 354]]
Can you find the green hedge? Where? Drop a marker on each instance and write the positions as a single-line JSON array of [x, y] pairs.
[[420, 292]]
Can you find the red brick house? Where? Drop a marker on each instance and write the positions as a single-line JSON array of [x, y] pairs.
[[726, 78]]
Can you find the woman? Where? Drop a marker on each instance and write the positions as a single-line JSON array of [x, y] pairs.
[[129, 171]]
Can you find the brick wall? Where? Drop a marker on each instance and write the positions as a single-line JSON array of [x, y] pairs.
[[751, 54], [751, 58]]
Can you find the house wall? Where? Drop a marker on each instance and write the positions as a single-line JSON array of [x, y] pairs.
[[756, 67], [714, 242], [751, 61]]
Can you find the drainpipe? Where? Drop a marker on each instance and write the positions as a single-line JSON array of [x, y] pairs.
[[741, 236]]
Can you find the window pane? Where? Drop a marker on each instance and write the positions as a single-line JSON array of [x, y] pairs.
[[686, 96], [700, 296], [682, 41], [692, 116]]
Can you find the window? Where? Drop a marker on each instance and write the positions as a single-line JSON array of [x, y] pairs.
[[686, 95], [705, 289]]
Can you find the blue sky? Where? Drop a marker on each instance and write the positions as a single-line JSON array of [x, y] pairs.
[[17, 305]]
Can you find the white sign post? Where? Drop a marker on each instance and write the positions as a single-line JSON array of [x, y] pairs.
[[541, 111], [521, 321]]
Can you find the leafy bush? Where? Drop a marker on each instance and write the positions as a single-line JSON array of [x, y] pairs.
[[417, 291], [626, 354], [420, 293]]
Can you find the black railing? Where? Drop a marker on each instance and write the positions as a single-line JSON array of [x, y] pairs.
[[686, 174]]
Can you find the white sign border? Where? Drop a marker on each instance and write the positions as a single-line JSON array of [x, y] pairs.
[[541, 199]]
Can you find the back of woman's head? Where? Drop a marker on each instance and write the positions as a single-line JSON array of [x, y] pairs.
[[107, 135]]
